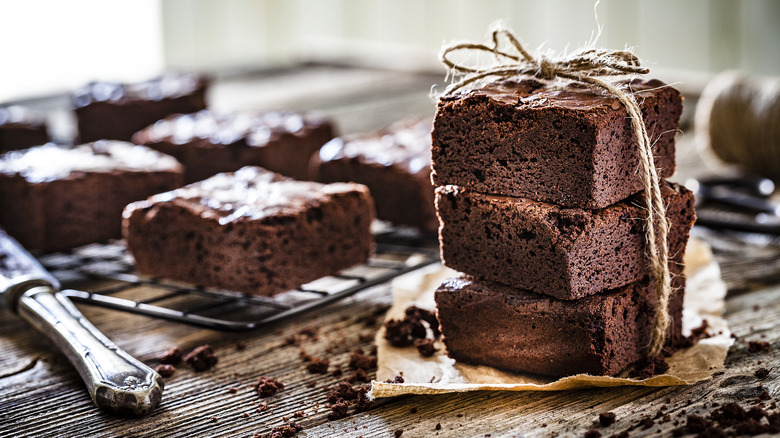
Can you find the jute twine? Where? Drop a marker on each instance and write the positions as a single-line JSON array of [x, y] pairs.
[[588, 66], [738, 120]]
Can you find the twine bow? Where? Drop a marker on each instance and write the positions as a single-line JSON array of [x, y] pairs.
[[588, 67]]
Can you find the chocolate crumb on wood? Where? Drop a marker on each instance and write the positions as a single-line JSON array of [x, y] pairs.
[[607, 418], [359, 360], [165, 370], [285, 431], [268, 386], [172, 356], [318, 365], [758, 347], [201, 358]]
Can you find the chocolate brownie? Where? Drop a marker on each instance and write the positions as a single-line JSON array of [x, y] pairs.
[[567, 253], [570, 145], [251, 231], [491, 324], [53, 198], [208, 143], [21, 128], [108, 110], [395, 164]]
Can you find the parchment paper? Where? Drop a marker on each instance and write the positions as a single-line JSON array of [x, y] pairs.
[[704, 299]]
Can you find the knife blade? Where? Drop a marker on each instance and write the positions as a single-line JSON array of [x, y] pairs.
[[116, 381]]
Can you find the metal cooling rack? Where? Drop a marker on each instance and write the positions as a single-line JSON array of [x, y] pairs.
[[103, 275]]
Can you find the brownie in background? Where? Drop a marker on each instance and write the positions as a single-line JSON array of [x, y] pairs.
[[21, 128], [395, 165], [53, 198], [251, 231], [567, 253], [571, 146], [208, 143], [108, 110]]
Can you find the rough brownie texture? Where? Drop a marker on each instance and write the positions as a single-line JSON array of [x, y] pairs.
[[107, 110], [567, 253], [394, 163], [53, 198], [491, 324], [208, 143], [21, 128], [251, 231], [572, 146]]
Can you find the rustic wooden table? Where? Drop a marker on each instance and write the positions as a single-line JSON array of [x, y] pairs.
[[41, 395]]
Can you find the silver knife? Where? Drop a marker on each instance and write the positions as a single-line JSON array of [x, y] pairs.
[[116, 381]]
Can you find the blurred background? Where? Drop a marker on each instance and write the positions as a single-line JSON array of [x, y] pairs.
[[51, 46]]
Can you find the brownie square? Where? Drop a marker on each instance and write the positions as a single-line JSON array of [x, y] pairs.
[[21, 128], [107, 110], [567, 253], [251, 231], [53, 198], [570, 145], [394, 163], [487, 323], [208, 143]]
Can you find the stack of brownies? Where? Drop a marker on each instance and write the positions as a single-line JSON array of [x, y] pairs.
[[541, 207]]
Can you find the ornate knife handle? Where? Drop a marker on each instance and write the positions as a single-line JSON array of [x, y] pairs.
[[116, 381]]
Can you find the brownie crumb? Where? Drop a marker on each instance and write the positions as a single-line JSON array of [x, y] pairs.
[[232, 390], [413, 410], [240, 345], [438, 426], [648, 367], [363, 402], [396, 379], [762, 373], [309, 332], [398, 432], [758, 347], [298, 414], [291, 341], [245, 415], [425, 346], [337, 371], [201, 358], [172, 356], [417, 313], [344, 391], [607, 418], [165, 370], [286, 430], [338, 410], [268, 386], [359, 376], [646, 422], [593, 433], [358, 360], [318, 366], [403, 332]]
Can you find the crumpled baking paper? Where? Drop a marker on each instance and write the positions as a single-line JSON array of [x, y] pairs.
[[704, 299]]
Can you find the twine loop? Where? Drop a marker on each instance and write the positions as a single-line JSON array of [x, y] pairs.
[[589, 67]]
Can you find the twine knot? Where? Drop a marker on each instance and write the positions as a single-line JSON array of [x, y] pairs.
[[589, 66]]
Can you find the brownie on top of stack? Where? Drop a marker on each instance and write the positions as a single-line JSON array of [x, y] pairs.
[[539, 202]]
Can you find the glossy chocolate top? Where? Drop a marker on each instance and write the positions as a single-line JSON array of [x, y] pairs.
[[165, 87], [50, 162], [251, 193], [258, 129], [531, 93], [406, 143]]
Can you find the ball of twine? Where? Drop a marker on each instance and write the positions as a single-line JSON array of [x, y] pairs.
[[738, 121]]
